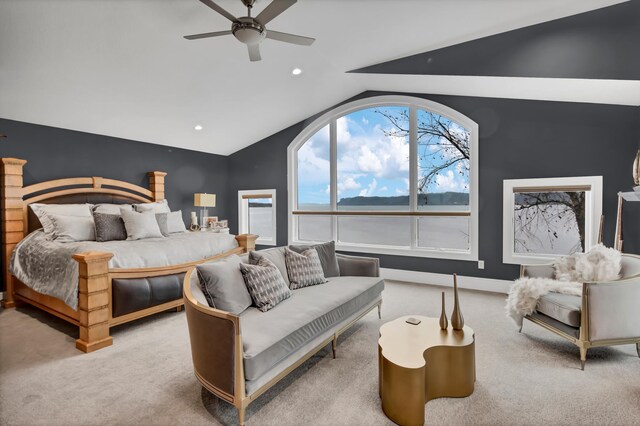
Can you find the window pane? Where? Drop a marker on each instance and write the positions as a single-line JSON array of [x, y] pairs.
[[549, 222], [373, 159], [444, 148], [261, 217], [443, 232], [314, 172], [380, 230], [314, 228]]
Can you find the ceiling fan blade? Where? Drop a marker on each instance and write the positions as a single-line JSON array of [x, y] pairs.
[[275, 8], [290, 38], [220, 10], [207, 35], [254, 52]]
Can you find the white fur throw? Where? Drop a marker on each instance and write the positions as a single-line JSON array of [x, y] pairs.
[[599, 264]]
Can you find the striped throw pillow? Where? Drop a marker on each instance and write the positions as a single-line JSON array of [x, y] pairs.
[[265, 284], [304, 268]]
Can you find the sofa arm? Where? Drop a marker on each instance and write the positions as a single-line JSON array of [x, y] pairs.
[[537, 271], [613, 309], [357, 266], [215, 339]]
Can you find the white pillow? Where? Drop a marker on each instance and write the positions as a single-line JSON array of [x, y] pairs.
[[141, 225], [111, 208], [68, 229], [171, 223], [43, 210], [157, 207]]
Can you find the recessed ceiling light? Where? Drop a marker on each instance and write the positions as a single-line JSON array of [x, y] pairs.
[[198, 127], [296, 71]]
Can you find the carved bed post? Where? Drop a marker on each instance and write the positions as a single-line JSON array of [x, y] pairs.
[[93, 300], [247, 242], [156, 185], [12, 209]]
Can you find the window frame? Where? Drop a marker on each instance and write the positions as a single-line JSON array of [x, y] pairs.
[[593, 206], [243, 214], [414, 104]]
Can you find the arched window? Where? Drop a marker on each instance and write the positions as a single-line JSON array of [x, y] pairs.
[[389, 175]]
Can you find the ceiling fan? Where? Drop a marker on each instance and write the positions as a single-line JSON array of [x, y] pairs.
[[251, 31]]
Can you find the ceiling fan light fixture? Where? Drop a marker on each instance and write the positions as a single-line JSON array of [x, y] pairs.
[[248, 32]]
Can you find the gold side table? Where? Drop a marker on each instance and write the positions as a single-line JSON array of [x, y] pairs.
[[418, 363]]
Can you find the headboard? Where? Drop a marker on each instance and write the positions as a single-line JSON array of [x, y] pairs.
[[17, 220]]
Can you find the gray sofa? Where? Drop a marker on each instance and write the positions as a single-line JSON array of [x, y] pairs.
[[238, 357], [607, 313]]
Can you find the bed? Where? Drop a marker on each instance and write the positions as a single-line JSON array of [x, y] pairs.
[[116, 281]]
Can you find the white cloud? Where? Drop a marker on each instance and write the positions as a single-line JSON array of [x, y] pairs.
[[369, 190], [449, 182], [384, 189]]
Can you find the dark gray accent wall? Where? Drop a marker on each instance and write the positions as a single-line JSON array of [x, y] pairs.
[[596, 44], [518, 139], [54, 153]]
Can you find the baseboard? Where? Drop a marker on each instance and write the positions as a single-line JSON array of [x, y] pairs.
[[446, 280]]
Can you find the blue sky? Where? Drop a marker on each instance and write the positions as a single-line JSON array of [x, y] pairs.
[[369, 163]]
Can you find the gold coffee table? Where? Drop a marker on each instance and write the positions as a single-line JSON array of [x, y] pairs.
[[418, 363]]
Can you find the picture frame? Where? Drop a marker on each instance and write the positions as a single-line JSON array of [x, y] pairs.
[[221, 224], [209, 221]]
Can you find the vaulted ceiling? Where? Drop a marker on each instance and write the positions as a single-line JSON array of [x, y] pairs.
[[122, 68]]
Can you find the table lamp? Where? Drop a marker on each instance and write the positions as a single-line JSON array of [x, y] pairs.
[[204, 200]]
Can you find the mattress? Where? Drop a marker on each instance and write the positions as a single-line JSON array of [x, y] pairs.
[[48, 267]]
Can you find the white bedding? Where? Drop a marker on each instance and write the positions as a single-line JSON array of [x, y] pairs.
[[47, 266]]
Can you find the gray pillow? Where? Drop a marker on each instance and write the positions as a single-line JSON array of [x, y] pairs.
[[68, 229], [223, 285], [111, 208], [265, 284], [275, 255], [170, 223], [327, 254], [109, 227], [44, 210], [141, 225], [304, 268], [161, 206]]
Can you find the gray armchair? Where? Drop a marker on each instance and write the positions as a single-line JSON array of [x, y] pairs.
[[608, 313]]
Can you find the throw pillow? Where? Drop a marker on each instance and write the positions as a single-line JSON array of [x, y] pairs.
[[43, 210], [327, 255], [111, 208], [223, 285], [275, 255], [141, 225], [304, 268], [265, 284], [68, 229], [109, 227], [161, 206], [170, 223]]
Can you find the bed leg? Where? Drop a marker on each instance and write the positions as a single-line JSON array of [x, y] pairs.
[[93, 300], [334, 346]]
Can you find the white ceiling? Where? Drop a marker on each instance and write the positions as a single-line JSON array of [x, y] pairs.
[[121, 68]]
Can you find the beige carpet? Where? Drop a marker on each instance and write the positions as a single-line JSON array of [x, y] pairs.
[[146, 376]]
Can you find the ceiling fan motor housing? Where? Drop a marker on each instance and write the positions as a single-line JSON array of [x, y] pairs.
[[248, 31]]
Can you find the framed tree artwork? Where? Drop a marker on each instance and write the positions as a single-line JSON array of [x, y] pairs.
[[547, 218]]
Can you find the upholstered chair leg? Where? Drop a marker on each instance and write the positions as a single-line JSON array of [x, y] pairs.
[[520, 329], [380, 310], [583, 357]]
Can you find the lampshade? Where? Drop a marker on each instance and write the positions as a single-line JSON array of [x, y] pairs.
[[204, 200]]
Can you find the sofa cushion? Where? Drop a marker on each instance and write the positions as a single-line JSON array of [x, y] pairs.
[[276, 256], [265, 284], [271, 336], [304, 268], [327, 255], [561, 307], [223, 285]]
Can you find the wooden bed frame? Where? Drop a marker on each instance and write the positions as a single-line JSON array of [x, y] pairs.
[[94, 315]]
